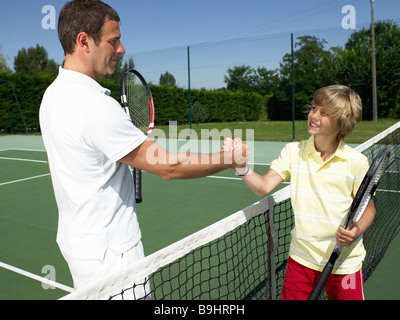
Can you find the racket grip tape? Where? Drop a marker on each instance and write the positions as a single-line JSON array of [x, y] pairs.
[[323, 278], [137, 173]]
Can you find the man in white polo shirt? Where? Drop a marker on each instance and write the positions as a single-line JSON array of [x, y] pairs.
[[91, 143]]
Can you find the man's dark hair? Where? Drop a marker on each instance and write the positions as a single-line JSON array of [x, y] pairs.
[[83, 16]]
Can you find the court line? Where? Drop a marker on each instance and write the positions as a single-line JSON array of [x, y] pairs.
[[385, 190], [20, 149], [227, 178], [25, 179], [20, 159], [42, 161], [29, 274], [25, 160], [36, 277], [18, 270], [232, 178]]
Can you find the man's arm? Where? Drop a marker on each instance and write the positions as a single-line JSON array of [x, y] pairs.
[[151, 157]]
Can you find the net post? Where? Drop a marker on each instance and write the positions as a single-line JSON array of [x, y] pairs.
[[272, 245]]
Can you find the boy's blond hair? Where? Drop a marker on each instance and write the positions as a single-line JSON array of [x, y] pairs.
[[343, 104]]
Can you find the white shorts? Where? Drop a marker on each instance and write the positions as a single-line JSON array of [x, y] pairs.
[[86, 271]]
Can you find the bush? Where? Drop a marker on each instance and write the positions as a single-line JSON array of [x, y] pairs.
[[171, 103]]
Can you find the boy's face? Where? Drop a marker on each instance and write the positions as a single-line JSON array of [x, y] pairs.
[[321, 123]]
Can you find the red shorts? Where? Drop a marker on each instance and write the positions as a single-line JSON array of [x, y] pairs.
[[300, 280]]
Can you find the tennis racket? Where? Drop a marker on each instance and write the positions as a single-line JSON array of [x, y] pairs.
[[358, 206], [137, 101]]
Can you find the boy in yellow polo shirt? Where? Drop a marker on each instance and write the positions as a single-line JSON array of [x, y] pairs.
[[325, 175]]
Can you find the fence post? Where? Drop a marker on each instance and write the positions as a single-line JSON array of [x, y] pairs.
[[190, 103], [374, 94], [8, 103], [293, 101]]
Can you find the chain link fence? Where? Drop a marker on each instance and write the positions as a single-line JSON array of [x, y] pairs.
[[320, 57]]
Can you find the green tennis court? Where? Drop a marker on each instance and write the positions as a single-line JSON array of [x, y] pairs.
[[171, 210]]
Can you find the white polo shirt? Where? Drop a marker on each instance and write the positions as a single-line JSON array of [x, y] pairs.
[[85, 133]]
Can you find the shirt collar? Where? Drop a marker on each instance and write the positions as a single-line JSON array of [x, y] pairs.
[[75, 76], [340, 152]]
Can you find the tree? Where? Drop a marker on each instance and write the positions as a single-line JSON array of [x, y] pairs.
[[34, 60], [246, 78], [167, 79], [356, 68], [120, 67], [240, 78], [309, 75], [266, 80], [3, 62], [128, 64]]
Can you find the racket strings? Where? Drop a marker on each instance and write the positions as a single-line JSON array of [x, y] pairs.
[[370, 189], [138, 102]]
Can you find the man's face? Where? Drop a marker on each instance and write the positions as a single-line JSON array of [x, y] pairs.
[[106, 52]]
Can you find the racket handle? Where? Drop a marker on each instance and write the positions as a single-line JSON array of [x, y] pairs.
[[323, 278], [137, 173]]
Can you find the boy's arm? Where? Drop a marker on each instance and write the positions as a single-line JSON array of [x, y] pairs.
[[346, 237], [262, 185]]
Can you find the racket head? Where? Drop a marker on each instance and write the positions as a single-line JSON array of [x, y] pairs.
[[367, 187], [137, 100]]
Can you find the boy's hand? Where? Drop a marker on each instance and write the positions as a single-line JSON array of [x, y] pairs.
[[346, 237], [238, 150]]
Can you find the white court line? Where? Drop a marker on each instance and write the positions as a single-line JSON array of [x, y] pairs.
[[20, 149], [20, 159], [385, 190], [35, 277], [259, 164], [18, 270], [227, 178], [25, 179], [26, 160], [232, 178]]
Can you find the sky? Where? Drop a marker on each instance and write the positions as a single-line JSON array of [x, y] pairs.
[[170, 26]]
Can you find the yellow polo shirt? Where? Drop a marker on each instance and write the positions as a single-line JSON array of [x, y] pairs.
[[321, 195]]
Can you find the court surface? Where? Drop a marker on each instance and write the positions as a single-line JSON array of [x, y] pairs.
[[170, 211]]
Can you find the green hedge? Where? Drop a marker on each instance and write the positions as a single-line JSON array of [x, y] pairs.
[[29, 90], [219, 106], [172, 104]]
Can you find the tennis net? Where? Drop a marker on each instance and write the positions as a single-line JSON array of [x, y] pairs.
[[244, 256]]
